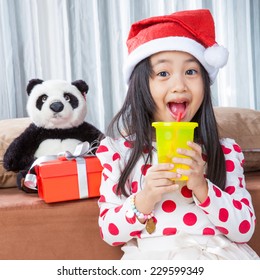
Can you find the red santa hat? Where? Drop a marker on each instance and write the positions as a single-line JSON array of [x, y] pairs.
[[190, 31]]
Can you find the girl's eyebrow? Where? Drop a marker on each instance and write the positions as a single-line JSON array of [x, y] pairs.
[[191, 60], [160, 61]]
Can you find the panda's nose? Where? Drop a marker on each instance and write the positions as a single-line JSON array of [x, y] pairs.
[[56, 107]]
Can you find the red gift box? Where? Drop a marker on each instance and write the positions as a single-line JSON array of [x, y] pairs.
[[59, 180]]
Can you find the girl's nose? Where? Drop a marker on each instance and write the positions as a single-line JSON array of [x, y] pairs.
[[178, 83]]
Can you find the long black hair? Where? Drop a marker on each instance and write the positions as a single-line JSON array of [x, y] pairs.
[[136, 116]]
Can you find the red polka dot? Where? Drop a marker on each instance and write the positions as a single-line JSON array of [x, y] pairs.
[[108, 167], [136, 233], [105, 176], [102, 149], [206, 203], [103, 213], [186, 192], [204, 157], [144, 168], [189, 219], [237, 148], [146, 150], [168, 206], [130, 217], [169, 231], [226, 150], [230, 189], [102, 198], [217, 191], [128, 144], [222, 229], [237, 204], [244, 227], [118, 243], [208, 231], [223, 215], [240, 182], [230, 166], [113, 229], [114, 188], [245, 201], [134, 187], [117, 209], [116, 156]]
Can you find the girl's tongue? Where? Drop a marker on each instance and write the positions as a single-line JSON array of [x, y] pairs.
[[177, 108]]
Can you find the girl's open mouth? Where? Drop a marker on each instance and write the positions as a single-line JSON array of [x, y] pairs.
[[177, 108]]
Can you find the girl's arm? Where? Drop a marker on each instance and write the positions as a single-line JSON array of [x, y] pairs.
[[231, 210], [118, 223]]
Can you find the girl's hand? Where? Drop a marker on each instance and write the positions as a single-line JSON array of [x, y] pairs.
[[158, 180], [196, 182]]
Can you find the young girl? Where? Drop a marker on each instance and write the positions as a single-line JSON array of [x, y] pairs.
[[172, 62]]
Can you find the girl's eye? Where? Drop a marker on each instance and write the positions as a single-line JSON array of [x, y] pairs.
[[163, 74], [191, 72]]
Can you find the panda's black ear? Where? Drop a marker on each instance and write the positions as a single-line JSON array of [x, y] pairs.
[[32, 83], [81, 86]]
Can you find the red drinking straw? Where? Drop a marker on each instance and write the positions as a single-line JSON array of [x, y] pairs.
[[179, 117]]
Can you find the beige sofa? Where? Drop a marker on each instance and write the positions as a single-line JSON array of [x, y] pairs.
[[32, 229]]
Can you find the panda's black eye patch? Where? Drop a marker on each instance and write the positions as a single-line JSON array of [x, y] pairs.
[[41, 99], [72, 99]]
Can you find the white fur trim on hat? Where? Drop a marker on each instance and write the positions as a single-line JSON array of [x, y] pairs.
[[177, 44]]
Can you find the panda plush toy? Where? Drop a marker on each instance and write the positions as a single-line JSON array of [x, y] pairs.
[[57, 110]]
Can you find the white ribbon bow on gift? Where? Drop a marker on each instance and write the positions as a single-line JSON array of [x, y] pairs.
[[82, 150]]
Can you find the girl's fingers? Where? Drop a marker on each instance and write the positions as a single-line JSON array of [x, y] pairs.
[[194, 146], [185, 172], [162, 170], [168, 187], [161, 167], [194, 156], [167, 175], [164, 182], [186, 161], [171, 188], [160, 179]]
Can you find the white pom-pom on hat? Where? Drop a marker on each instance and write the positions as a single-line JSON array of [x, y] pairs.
[[216, 56]]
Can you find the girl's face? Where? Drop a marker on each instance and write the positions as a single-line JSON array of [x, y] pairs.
[[176, 85]]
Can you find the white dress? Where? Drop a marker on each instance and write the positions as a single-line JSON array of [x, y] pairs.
[[218, 228]]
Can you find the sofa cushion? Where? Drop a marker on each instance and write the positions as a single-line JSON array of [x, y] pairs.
[[242, 125], [10, 129]]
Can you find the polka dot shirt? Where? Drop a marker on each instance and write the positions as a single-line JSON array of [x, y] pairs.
[[227, 212]]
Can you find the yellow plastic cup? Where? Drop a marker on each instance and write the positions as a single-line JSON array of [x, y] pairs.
[[169, 137]]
